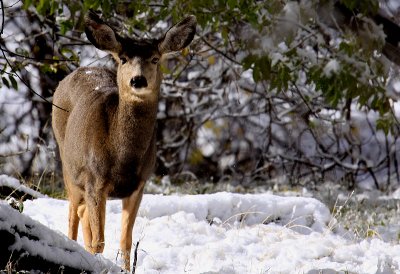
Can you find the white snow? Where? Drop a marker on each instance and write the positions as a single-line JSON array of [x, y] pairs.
[[13, 183], [233, 233], [331, 67], [396, 86], [193, 75]]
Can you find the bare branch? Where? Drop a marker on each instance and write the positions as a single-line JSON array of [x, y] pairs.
[[26, 84]]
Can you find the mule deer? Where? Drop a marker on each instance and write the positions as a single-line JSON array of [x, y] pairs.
[[107, 138]]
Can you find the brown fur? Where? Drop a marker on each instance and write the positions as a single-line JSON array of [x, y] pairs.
[[107, 138]]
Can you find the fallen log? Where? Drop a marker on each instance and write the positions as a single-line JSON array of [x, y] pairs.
[[27, 245]]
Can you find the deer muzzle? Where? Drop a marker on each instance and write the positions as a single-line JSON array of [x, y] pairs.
[[139, 82]]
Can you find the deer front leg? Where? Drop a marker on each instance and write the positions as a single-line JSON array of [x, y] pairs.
[[130, 207], [94, 217]]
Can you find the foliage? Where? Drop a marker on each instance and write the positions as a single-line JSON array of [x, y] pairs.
[[302, 67], [362, 71]]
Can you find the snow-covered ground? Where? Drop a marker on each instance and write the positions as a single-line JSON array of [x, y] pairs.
[[234, 233]]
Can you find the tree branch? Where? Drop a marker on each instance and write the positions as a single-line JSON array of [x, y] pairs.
[[26, 84]]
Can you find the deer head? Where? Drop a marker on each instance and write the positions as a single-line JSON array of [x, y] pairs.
[[138, 60]]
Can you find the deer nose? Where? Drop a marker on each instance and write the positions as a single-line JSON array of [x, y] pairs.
[[139, 82]]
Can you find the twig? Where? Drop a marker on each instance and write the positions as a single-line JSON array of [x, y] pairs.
[[220, 52], [2, 17], [72, 38], [37, 59], [135, 258], [26, 84], [17, 153], [183, 69], [12, 5]]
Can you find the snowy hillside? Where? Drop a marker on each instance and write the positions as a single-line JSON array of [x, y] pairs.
[[233, 233]]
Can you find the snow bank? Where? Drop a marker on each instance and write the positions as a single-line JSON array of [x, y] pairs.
[[232, 233], [303, 214]]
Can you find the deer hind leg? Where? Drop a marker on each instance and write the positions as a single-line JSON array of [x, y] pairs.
[[73, 221], [130, 207], [94, 218], [75, 198], [87, 232]]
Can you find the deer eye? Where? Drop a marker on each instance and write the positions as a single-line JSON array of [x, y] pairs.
[[123, 60], [155, 60]]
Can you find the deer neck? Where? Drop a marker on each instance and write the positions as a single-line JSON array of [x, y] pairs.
[[134, 124]]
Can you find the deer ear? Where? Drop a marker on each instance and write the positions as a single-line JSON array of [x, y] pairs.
[[179, 36], [100, 34]]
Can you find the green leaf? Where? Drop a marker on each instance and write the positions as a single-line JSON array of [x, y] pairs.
[[365, 6], [248, 61], [14, 83], [27, 4], [53, 6], [66, 25], [5, 82], [43, 6], [20, 207], [232, 4], [91, 4], [382, 124], [257, 73], [225, 33], [68, 53]]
